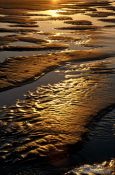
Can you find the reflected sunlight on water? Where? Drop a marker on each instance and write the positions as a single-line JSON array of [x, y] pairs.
[[53, 12], [37, 36]]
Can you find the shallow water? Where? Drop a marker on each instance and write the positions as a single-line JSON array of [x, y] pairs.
[[53, 22], [102, 138], [43, 121]]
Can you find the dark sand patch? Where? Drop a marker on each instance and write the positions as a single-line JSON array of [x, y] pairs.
[[91, 9], [101, 14], [16, 19], [17, 30], [79, 27], [95, 3], [24, 25], [31, 39], [4, 40], [111, 20], [34, 48], [79, 22], [44, 33], [54, 18], [109, 26], [110, 8]]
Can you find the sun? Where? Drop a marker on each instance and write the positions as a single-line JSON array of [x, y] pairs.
[[54, 1]]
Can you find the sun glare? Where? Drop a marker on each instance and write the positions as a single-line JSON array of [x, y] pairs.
[[53, 13]]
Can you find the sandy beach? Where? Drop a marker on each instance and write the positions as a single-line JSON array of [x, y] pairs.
[[57, 83]]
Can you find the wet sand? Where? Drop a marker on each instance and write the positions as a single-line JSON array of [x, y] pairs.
[[74, 42]]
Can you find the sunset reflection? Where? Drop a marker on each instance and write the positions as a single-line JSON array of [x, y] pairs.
[[57, 83], [53, 13]]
